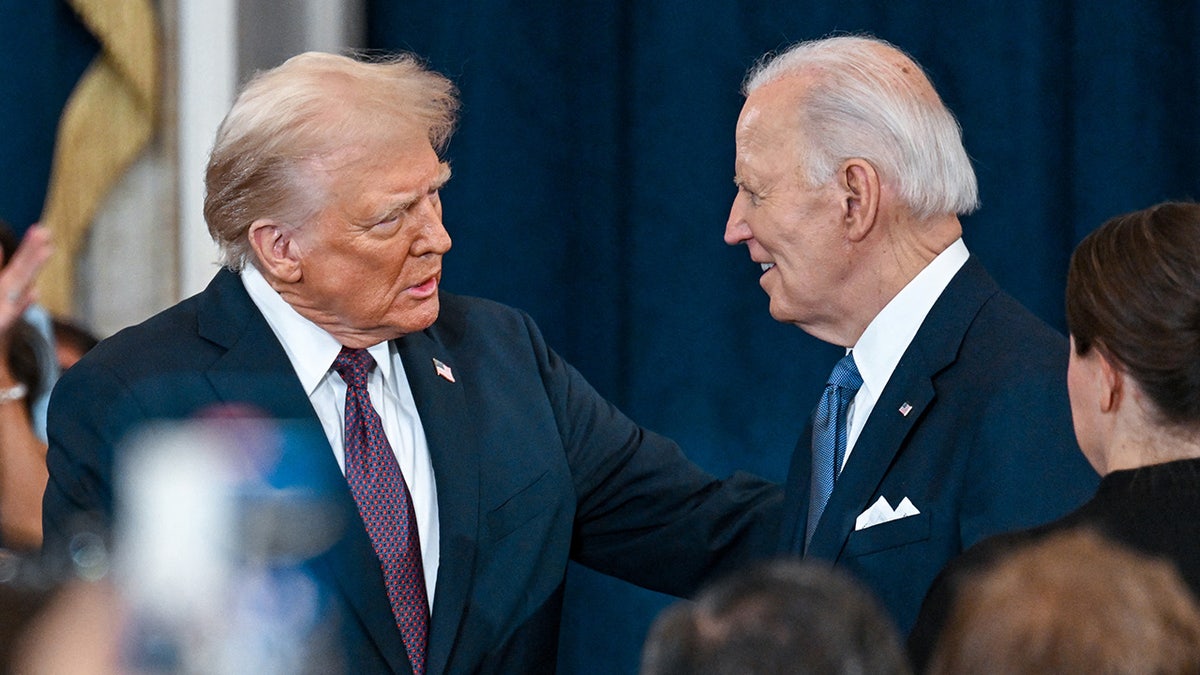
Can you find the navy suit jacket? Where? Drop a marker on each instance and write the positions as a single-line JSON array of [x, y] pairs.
[[974, 428], [533, 468]]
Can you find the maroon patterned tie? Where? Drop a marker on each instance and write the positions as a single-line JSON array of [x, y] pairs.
[[385, 505]]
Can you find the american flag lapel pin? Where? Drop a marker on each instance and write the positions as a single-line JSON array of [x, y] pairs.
[[905, 409], [443, 370]]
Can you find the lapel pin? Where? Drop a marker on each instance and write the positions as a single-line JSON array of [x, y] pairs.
[[904, 409], [443, 370]]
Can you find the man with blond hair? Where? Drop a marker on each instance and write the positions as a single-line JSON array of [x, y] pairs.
[[476, 462]]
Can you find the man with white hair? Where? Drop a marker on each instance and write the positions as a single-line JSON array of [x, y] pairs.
[[947, 420]]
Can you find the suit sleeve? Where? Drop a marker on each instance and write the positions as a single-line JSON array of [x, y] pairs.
[[645, 513], [90, 411]]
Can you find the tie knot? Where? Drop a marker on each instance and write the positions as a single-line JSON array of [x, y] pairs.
[[845, 374], [354, 365]]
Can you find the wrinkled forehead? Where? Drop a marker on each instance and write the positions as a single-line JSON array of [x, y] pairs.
[[771, 115], [369, 178]]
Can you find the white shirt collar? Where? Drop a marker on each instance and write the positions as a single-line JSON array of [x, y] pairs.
[[309, 347], [889, 334]]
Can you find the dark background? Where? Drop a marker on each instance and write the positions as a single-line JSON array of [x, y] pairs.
[[593, 175]]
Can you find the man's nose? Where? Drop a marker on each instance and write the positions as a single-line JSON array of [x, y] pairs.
[[433, 237], [736, 229]]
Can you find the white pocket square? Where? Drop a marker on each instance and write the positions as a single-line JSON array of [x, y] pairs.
[[882, 512]]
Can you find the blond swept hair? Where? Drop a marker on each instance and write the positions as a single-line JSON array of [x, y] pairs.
[[311, 106]]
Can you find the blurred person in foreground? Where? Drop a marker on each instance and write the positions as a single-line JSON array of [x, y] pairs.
[[782, 617], [947, 420], [23, 382], [38, 332], [1133, 310], [476, 462], [1075, 602]]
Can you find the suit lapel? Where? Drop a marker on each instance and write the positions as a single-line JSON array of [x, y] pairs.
[[908, 394], [254, 368], [873, 453], [455, 453]]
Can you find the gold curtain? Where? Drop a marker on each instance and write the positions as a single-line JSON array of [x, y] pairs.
[[108, 120]]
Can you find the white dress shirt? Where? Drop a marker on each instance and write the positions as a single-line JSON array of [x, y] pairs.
[[890, 333], [312, 351]]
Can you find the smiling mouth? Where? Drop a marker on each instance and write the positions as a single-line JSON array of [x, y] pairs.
[[766, 266]]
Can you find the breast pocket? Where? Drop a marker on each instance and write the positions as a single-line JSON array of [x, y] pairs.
[[884, 536], [523, 506]]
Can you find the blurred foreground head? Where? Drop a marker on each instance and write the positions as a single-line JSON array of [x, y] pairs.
[[788, 616], [1073, 603]]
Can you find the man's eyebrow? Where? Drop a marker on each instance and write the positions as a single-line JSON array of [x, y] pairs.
[[443, 176]]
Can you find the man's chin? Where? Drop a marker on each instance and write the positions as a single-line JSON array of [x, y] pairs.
[[422, 316], [778, 313], [397, 324]]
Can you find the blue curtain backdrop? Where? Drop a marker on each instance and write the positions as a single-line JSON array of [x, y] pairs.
[[593, 177], [43, 51]]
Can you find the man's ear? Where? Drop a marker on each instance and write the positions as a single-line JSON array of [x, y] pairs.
[[859, 183], [275, 248]]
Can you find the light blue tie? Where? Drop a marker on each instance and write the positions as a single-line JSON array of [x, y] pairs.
[[829, 437]]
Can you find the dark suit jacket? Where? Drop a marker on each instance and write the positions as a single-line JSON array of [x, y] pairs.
[[987, 446], [532, 466]]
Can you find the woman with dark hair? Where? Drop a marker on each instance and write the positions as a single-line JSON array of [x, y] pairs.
[[1133, 310], [22, 451]]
